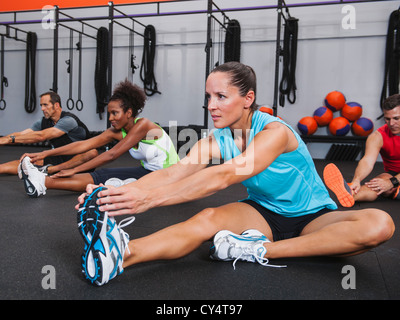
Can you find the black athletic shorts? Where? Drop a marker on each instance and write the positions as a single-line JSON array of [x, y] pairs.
[[284, 227], [56, 160]]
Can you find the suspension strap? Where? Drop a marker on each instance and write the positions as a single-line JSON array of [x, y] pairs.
[[392, 58], [287, 86], [70, 69], [101, 71], [3, 79], [147, 66], [232, 41], [30, 72]]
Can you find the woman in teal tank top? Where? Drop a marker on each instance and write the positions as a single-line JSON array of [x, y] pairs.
[[288, 212]]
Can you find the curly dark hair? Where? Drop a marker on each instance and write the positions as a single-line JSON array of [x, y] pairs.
[[131, 95]]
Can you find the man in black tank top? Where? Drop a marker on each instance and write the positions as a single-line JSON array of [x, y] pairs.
[[58, 128]]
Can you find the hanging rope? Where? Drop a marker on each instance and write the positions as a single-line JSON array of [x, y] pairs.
[[30, 72], [3, 79], [392, 57], [101, 70], [132, 66], [232, 41], [287, 86], [147, 66]]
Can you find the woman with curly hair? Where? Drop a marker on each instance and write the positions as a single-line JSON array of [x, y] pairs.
[[145, 141]]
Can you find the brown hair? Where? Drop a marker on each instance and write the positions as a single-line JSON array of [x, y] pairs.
[[242, 76], [391, 102]]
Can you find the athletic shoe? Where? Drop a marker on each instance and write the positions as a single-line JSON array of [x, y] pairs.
[[396, 195], [105, 241], [43, 169], [34, 180], [116, 182], [249, 246], [20, 170], [335, 182]]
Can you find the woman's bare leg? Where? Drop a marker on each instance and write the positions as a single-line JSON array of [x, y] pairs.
[[337, 233], [77, 182], [180, 239], [74, 161]]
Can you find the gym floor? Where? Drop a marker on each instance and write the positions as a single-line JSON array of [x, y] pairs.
[[42, 233]]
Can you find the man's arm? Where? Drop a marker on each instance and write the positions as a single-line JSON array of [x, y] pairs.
[[366, 164], [30, 136], [38, 136]]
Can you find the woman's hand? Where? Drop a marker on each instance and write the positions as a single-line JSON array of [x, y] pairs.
[[64, 173], [35, 157], [89, 190], [127, 199]]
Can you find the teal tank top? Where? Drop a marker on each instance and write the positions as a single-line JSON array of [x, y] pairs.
[[290, 186]]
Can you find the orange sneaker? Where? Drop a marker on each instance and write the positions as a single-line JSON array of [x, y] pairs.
[[335, 182], [396, 195]]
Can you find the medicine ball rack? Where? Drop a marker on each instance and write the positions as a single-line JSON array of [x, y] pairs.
[[346, 148]]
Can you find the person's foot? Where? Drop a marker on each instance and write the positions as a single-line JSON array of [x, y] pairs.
[[105, 241], [336, 183], [116, 182], [396, 195], [249, 246], [34, 180]]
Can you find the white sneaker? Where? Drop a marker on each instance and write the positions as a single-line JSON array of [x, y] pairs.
[[249, 246], [116, 182], [34, 180], [105, 241], [43, 169]]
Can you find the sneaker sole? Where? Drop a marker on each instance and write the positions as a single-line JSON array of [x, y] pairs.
[[396, 195], [91, 220], [335, 182], [28, 185], [218, 235]]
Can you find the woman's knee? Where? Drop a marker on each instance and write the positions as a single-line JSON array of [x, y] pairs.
[[208, 221], [381, 227]]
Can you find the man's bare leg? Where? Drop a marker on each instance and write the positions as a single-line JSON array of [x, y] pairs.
[[74, 162]]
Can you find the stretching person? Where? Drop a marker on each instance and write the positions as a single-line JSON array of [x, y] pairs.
[[287, 203], [57, 127], [384, 141], [145, 141]]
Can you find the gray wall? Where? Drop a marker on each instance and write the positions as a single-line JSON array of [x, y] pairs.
[[330, 57]]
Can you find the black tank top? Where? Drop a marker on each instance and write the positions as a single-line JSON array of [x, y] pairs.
[[64, 139]]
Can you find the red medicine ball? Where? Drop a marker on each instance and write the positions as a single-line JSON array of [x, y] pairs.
[[335, 100], [323, 116], [267, 110], [339, 126], [307, 126], [352, 111], [362, 127]]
